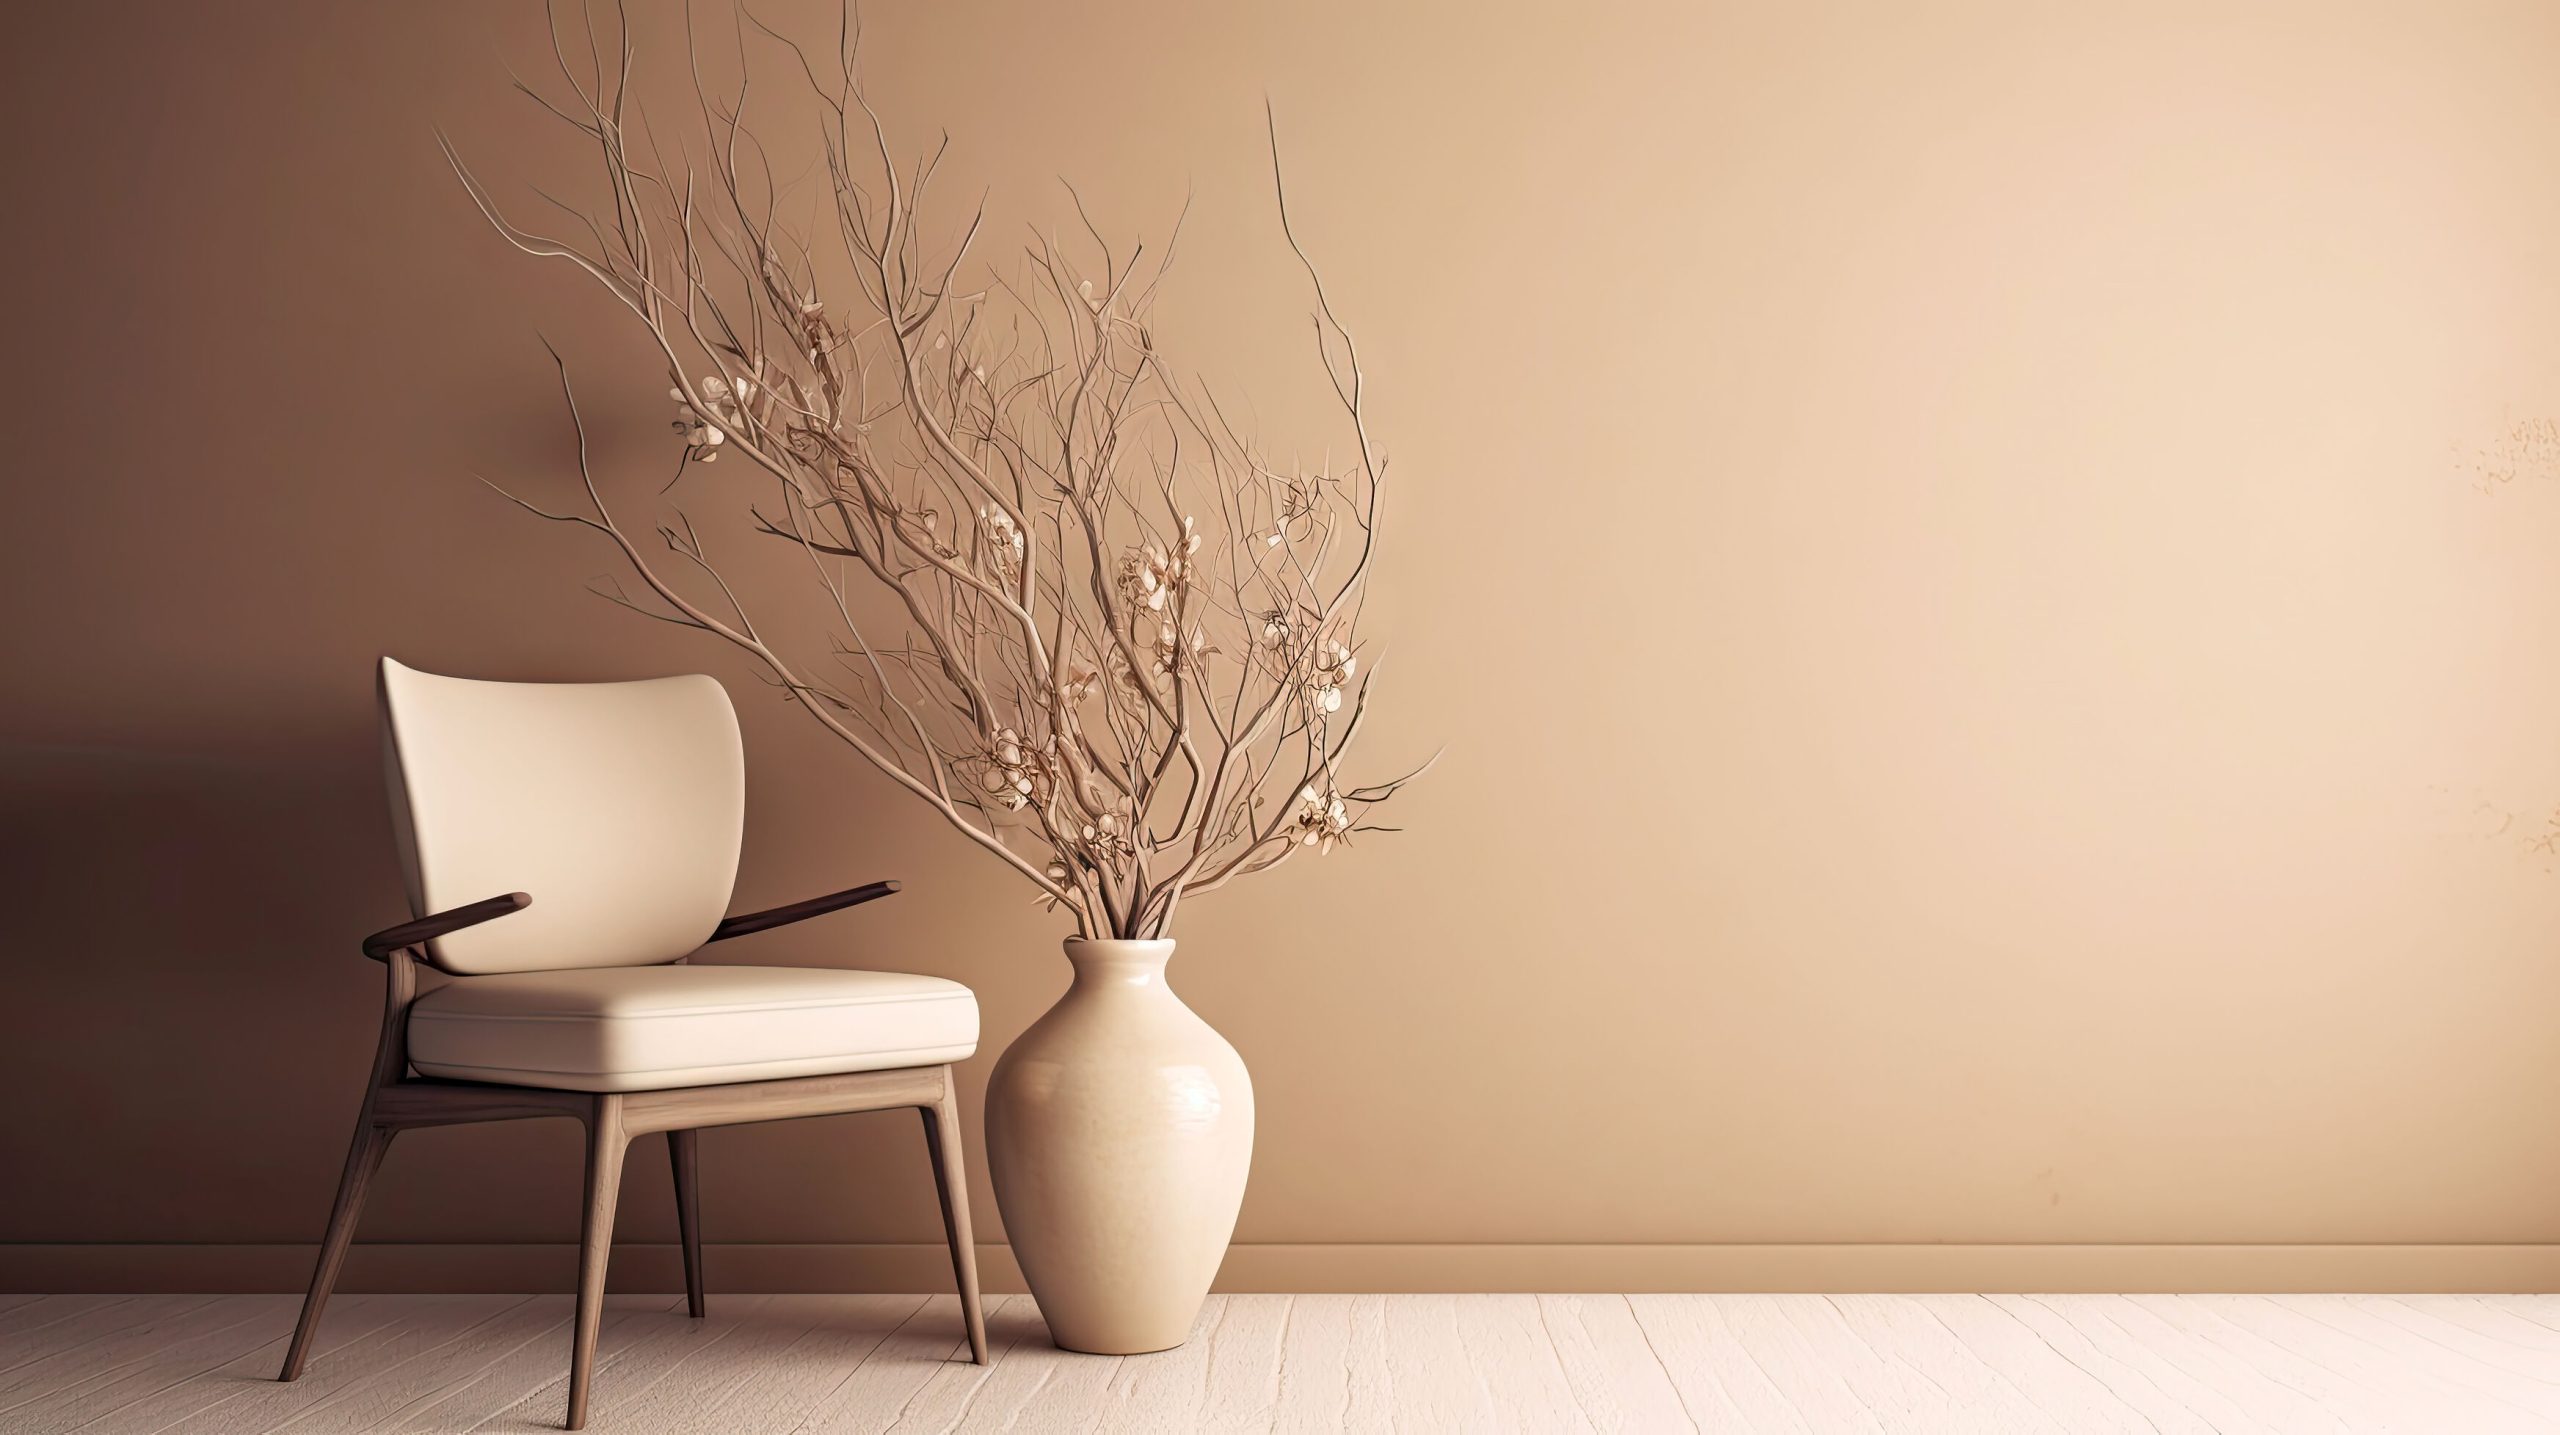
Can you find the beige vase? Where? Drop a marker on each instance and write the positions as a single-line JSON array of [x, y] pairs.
[[1119, 1131]]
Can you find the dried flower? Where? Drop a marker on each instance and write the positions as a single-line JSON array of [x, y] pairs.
[[1149, 576], [1076, 681], [1005, 546], [700, 431], [1334, 665], [1015, 775], [1145, 578], [1172, 651], [1105, 840], [1322, 820]]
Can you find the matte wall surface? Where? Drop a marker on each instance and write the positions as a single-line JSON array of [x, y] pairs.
[[1990, 574]]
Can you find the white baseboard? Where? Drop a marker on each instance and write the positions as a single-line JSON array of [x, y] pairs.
[[646, 1266]]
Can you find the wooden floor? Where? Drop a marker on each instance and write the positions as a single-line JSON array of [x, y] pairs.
[[1758, 1363]]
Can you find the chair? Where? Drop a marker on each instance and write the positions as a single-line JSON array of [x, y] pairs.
[[610, 814]]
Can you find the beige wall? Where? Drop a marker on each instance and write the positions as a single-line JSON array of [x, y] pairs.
[[1985, 571]]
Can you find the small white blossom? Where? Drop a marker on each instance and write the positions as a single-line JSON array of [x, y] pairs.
[[1104, 840], [1276, 628], [1016, 776], [1005, 546], [700, 431], [1334, 665], [1322, 820], [1149, 576]]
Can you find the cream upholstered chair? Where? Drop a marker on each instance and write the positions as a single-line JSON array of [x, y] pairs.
[[608, 816]]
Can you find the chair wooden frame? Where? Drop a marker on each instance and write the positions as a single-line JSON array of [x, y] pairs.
[[395, 1101]]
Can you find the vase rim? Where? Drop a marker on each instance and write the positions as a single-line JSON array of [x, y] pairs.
[[1144, 943]]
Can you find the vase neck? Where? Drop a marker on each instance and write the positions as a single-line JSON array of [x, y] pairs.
[[1119, 963]]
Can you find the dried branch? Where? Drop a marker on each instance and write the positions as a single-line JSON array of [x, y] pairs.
[[1071, 606]]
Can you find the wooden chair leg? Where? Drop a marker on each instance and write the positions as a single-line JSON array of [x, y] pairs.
[[686, 1156], [364, 1158], [942, 1144], [606, 1141]]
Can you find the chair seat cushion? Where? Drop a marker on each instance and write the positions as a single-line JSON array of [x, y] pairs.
[[650, 1028]]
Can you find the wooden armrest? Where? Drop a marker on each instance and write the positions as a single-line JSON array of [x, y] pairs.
[[382, 944], [744, 923]]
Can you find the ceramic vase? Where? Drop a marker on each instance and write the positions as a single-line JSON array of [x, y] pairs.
[[1119, 1132]]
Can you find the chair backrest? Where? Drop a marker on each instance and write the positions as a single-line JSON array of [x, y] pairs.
[[616, 806]]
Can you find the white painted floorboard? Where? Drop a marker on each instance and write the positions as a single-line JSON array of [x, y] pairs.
[[782, 1365]]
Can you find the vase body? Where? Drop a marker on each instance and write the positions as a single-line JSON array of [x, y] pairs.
[[1119, 1132]]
